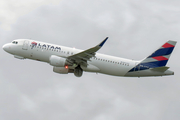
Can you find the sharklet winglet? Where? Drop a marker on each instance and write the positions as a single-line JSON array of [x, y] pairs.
[[102, 43]]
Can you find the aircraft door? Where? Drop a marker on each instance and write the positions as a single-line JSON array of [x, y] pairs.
[[25, 45]]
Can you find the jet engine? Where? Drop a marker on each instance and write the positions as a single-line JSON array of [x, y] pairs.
[[57, 61], [62, 70]]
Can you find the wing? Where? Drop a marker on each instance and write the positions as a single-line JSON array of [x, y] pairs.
[[85, 56]]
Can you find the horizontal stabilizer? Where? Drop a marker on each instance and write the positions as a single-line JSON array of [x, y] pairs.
[[160, 69]]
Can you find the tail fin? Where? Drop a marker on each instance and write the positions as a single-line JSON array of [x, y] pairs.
[[161, 56]]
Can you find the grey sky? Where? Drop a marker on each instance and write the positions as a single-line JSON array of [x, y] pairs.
[[30, 90]]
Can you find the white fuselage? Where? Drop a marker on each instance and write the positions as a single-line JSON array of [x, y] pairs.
[[106, 64]]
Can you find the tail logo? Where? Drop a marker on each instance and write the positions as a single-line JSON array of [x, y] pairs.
[[157, 59], [167, 45]]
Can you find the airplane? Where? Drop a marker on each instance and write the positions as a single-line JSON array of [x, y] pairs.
[[71, 60]]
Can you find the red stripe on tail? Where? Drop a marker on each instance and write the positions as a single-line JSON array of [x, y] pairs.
[[160, 58], [167, 45]]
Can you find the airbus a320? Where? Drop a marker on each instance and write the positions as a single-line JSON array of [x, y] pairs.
[[70, 60]]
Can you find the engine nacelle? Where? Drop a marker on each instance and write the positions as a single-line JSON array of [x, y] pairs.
[[60, 70], [57, 61]]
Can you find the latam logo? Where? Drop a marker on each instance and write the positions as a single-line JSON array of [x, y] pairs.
[[45, 46], [33, 44]]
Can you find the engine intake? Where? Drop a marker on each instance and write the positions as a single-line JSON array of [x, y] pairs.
[[57, 61]]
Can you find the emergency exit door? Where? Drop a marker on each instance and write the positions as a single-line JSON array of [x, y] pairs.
[[25, 45]]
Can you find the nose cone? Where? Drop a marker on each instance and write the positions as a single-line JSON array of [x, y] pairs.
[[5, 47]]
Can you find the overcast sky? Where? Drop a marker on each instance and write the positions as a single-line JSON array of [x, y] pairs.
[[30, 90]]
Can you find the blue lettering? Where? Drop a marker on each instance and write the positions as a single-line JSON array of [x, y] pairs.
[[48, 46], [44, 45], [52, 47], [39, 45], [58, 48]]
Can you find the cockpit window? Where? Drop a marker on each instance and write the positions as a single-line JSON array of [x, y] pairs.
[[14, 42]]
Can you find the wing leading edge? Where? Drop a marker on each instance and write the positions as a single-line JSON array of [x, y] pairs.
[[85, 56]]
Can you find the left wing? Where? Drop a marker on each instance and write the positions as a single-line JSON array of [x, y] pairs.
[[84, 56]]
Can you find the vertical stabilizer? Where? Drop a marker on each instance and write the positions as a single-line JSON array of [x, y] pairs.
[[161, 56]]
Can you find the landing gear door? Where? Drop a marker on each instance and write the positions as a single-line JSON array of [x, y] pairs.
[[25, 45]]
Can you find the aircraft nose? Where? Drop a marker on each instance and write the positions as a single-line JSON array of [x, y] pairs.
[[5, 47]]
